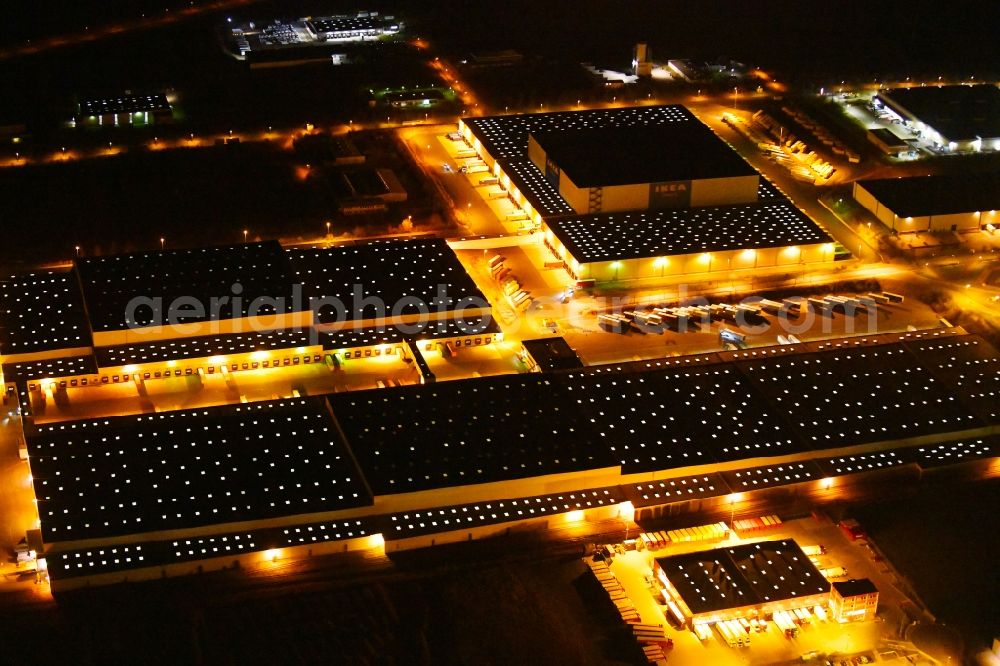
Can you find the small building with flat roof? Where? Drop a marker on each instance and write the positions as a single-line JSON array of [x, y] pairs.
[[124, 110], [550, 354], [854, 600], [750, 580], [965, 202], [887, 141]]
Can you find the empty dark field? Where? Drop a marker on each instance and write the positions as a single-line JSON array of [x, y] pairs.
[[129, 202], [452, 612], [945, 540]]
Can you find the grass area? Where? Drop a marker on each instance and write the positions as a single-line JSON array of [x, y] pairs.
[[190, 197], [943, 539], [503, 612]]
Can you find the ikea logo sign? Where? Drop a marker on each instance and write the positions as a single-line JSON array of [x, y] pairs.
[[670, 195]]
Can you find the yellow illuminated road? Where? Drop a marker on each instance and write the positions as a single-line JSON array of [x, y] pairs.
[[17, 508]]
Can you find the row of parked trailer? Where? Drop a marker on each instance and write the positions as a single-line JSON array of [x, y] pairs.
[[851, 305], [747, 526], [736, 633], [680, 318], [519, 298], [789, 621], [699, 533], [822, 134], [653, 641], [602, 572]]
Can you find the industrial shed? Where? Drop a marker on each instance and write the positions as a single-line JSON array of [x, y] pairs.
[[966, 202]]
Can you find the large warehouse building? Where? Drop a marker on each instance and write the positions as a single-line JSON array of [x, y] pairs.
[[958, 118], [147, 495], [642, 193], [673, 165], [232, 308], [933, 203]]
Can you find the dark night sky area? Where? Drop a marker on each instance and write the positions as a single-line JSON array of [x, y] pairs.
[[797, 38]]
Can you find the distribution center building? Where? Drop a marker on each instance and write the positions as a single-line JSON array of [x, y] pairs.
[[144, 316], [673, 165], [968, 202], [642, 193], [154, 494]]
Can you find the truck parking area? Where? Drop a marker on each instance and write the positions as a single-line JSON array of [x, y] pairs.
[[667, 328]]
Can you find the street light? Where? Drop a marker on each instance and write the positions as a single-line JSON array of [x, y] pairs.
[[78, 250], [162, 241], [327, 227], [245, 232]]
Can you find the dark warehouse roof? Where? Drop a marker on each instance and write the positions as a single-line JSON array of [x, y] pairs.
[[238, 273], [854, 587], [652, 416], [609, 156], [957, 113], [919, 196], [42, 311], [506, 137], [174, 470], [54, 368], [750, 574], [124, 104], [391, 275]]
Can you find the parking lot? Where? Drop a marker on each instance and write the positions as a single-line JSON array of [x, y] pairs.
[[576, 318], [598, 344], [817, 642]]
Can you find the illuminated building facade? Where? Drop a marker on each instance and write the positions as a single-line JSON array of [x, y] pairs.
[[642, 193], [933, 203], [746, 581], [854, 600]]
